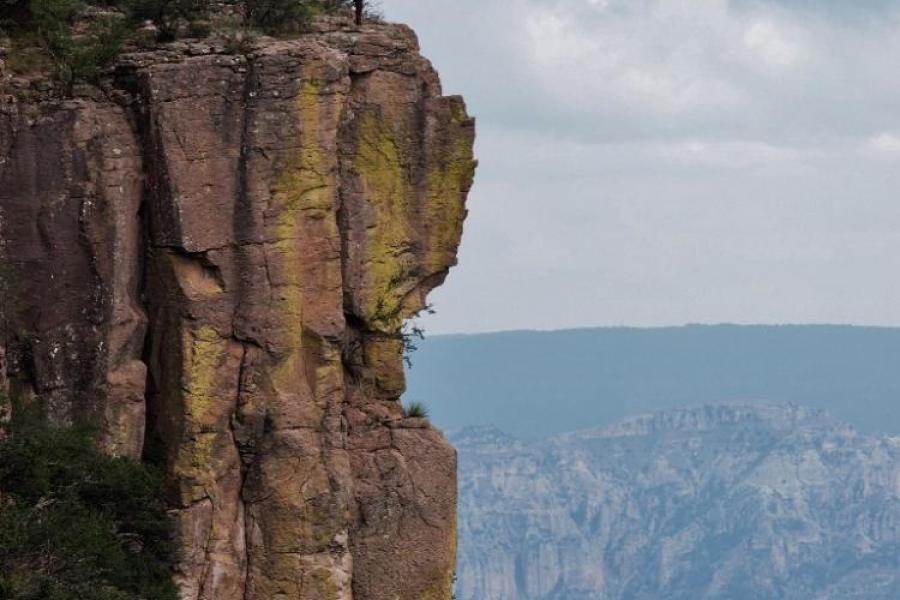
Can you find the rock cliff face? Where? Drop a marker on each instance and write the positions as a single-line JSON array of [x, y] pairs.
[[726, 502], [215, 256]]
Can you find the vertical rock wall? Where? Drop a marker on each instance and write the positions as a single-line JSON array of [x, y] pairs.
[[224, 248], [70, 189]]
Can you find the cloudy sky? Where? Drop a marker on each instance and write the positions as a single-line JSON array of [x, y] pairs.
[[660, 162]]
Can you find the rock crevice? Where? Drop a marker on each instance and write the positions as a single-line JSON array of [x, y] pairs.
[[223, 256]]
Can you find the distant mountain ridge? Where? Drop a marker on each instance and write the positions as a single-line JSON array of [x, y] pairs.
[[738, 501], [535, 383]]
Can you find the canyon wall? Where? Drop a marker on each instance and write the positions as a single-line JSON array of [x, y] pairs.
[[719, 501], [214, 255]]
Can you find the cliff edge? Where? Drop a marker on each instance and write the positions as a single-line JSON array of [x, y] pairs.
[[214, 254]]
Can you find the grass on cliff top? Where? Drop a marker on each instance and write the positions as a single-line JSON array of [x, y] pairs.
[[76, 524]]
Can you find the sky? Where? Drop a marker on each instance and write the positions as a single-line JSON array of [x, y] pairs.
[[662, 162]]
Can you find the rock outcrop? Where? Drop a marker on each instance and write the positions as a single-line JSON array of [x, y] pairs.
[[732, 501], [215, 256]]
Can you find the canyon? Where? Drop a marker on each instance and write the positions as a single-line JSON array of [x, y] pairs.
[[739, 501]]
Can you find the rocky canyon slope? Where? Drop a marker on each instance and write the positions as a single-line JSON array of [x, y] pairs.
[[214, 254], [732, 502]]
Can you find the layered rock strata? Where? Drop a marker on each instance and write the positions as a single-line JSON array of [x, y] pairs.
[[215, 257]]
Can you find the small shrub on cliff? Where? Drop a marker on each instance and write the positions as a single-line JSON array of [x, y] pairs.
[[76, 524], [415, 410], [390, 322]]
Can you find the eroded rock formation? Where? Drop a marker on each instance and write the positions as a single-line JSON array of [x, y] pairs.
[[720, 501], [215, 256]]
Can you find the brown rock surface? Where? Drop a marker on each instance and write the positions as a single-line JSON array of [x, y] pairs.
[[225, 254]]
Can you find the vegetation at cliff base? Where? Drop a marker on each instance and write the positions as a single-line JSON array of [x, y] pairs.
[[76, 524]]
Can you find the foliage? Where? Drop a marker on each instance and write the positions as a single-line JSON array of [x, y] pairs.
[[78, 48], [391, 321], [12, 12], [411, 334], [81, 57], [199, 29], [10, 305], [279, 16], [167, 15], [415, 410], [76, 524], [288, 16]]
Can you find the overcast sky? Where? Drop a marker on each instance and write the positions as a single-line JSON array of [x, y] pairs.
[[660, 162]]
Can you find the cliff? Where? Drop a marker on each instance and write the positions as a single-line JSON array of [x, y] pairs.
[[214, 254], [730, 501]]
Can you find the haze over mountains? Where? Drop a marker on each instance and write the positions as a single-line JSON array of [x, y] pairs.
[[736, 484], [733, 502], [534, 384]]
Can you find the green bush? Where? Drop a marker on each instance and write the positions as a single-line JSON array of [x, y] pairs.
[[50, 25], [279, 16], [167, 15], [76, 524], [199, 29], [276, 17], [415, 410], [74, 58]]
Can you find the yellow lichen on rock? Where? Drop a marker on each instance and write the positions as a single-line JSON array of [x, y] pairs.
[[301, 187], [449, 180], [205, 352], [321, 584], [380, 164], [306, 190], [193, 467], [209, 360]]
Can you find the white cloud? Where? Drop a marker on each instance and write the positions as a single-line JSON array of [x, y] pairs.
[[771, 44], [629, 57], [885, 143], [555, 41], [734, 154]]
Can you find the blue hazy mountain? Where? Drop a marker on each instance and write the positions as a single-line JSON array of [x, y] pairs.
[[533, 384], [732, 502]]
